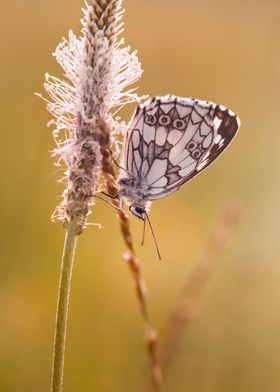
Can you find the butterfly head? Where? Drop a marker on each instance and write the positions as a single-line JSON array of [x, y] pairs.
[[133, 191], [137, 211]]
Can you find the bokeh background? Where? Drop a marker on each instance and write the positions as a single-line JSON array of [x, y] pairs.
[[224, 51]]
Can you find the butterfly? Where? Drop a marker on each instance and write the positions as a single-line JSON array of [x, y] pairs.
[[169, 141]]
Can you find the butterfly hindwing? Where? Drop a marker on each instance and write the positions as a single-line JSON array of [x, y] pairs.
[[172, 139]]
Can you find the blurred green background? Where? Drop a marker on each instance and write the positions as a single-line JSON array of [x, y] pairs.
[[224, 51]]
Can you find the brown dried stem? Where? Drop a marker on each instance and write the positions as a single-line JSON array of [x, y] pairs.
[[150, 334], [184, 309]]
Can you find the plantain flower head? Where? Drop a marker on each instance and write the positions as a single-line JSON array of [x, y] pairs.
[[98, 70]]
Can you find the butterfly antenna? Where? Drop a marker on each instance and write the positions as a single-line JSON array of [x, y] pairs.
[[155, 240], [144, 230]]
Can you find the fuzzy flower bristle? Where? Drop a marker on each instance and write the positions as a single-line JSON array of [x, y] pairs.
[[98, 70]]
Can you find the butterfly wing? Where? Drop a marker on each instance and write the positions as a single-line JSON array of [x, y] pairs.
[[172, 139]]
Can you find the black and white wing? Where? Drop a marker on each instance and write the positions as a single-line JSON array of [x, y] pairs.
[[172, 139]]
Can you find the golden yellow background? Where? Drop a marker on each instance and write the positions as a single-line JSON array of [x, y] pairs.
[[224, 51]]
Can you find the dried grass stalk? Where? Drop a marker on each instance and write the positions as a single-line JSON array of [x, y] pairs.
[[150, 334], [200, 274]]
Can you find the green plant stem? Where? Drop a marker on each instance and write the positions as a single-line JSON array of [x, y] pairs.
[[71, 238]]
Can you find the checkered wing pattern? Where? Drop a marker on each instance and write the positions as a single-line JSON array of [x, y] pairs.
[[172, 139]]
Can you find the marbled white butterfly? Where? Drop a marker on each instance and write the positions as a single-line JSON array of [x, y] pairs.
[[169, 141]]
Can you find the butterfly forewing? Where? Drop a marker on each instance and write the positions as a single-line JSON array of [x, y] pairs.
[[171, 139]]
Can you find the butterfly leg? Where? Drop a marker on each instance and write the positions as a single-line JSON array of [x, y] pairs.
[[108, 195], [120, 201], [120, 167], [118, 208]]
